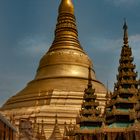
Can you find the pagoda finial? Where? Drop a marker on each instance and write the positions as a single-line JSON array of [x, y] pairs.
[[66, 6], [42, 127], [125, 38], [66, 34], [107, 86], [89, 77], [56, 121], [38, 128]]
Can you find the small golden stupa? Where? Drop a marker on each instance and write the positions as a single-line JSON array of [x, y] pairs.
[[61, 78]]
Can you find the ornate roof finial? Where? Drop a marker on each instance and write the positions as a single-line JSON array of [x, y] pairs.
[[38, 129], [42, 126], [89, 77], [107, 94], [56, 134], [56, 121], [107, 86], [66, 6], [125, 38]]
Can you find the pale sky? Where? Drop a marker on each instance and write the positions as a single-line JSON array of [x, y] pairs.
[[27, 31]]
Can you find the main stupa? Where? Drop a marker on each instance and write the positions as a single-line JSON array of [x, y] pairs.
[[60, 80]]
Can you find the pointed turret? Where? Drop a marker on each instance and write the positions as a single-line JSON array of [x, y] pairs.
[[89, 114], [125, 37], [42, 136], [89, 78], [56, 134], [38, 134], [120, 111], [108, 95]]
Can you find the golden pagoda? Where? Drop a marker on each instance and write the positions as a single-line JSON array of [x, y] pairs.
[[60, 80], [121, 110]]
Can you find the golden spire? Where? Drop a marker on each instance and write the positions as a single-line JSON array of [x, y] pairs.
[[125, 38], [66, 6], [66, 34]]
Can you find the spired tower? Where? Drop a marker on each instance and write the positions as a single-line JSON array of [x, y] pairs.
[[121, 118], [61, 78], [90, 119]]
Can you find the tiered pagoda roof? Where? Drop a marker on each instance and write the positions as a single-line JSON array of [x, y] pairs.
[[138, 106], [40, 135], [56, 134], [120, 111], [90, 116]]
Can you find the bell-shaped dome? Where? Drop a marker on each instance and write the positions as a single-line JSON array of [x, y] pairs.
[[61, 77], [65, 65]]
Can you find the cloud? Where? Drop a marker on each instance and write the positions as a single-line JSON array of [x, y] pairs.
[[10, 84], [19, 66], [33, 45], [108, 45], [135, 41], [105, 44], [105, 53], [124, 3], [135, 45]]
